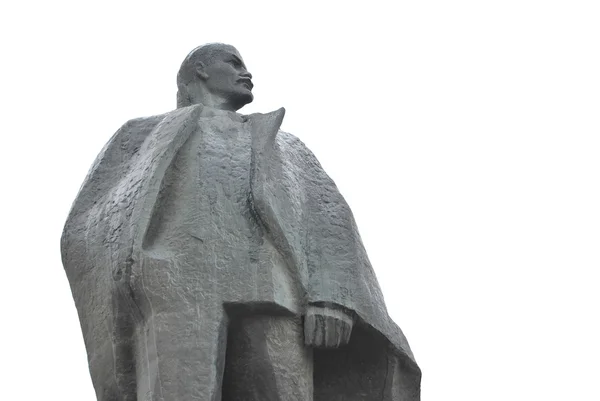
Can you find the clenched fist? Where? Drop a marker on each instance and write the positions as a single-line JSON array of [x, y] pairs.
[[326, 327]]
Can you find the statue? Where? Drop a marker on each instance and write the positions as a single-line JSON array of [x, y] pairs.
[[211, 258]]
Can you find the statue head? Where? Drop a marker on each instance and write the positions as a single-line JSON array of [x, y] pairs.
[[214, 75]]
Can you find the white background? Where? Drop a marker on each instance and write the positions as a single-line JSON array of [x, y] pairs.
[[464, 135]]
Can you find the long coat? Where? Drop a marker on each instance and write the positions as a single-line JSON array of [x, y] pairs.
[[105, 241]]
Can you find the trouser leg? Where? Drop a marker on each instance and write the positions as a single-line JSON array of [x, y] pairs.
[[182, 338], [267, 361], [182, 355]]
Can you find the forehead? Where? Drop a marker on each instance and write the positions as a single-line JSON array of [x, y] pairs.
[[226, 52]]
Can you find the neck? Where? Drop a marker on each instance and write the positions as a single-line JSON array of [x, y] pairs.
[[200, 95], [217, 102]]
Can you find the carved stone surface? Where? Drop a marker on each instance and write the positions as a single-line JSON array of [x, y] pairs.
[[210, 257]]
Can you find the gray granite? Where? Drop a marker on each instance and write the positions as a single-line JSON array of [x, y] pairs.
[[210, 258]]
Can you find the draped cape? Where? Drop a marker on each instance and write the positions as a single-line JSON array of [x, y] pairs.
[[304, 215]]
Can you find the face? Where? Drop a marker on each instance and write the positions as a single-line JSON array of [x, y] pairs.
[[227, 77]]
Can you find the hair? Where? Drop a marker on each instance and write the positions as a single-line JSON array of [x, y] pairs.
[[201, 55]]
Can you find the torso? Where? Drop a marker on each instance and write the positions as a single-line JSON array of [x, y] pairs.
[[205, 226]]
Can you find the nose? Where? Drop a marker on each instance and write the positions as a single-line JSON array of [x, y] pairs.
[[246, 74]]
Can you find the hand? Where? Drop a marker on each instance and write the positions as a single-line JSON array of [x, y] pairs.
[[326, 327]]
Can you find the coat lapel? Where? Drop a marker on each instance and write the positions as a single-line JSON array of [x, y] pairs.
[[158, 152], [275, 198], [264, 129]]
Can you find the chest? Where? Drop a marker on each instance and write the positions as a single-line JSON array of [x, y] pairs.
[[215, 162]]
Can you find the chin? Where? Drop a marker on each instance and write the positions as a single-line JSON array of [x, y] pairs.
[[243, 99]]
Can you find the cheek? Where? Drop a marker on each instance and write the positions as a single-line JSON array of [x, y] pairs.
[[228, 78], [221, 76]]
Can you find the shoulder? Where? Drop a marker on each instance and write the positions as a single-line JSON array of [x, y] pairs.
[[294, 148], [149, 123], [134, 132], [141, 123], [290, 141]]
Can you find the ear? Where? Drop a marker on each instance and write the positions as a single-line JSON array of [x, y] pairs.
[[200, 70]]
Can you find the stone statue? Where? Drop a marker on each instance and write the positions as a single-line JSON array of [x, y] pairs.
[[211, 258]]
